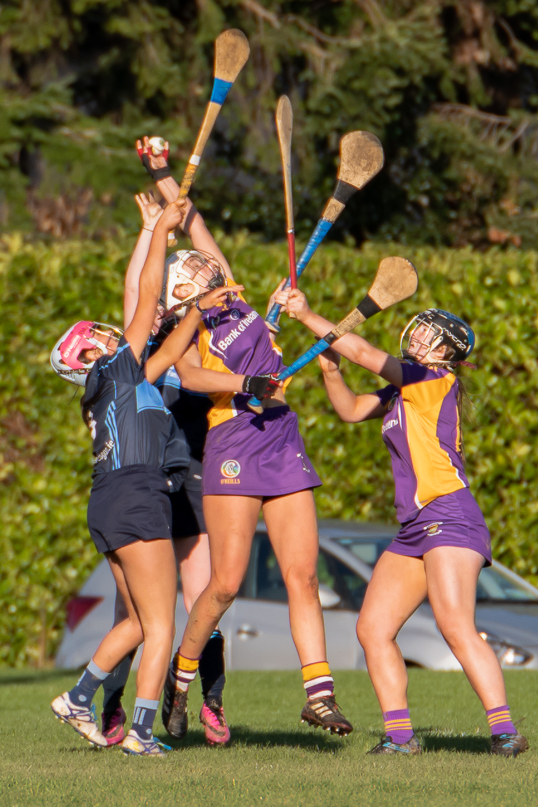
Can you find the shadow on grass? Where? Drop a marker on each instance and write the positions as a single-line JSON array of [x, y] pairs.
[[35, 677], [244, 736], [465, 745]]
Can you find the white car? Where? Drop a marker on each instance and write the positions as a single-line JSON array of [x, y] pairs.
[[256, 626]]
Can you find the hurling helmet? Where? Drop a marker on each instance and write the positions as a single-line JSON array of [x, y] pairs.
[[64, 357], [190, 266], [445, 329]]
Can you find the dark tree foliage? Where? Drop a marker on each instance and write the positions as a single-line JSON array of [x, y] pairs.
[[449, 86]]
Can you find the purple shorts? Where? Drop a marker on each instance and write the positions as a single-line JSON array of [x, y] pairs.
[[451, 520], [257, 455]]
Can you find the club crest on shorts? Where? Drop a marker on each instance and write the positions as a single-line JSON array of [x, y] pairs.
[[433, 529], [230, 469]]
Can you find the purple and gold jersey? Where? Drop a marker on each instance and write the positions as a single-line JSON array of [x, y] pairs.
[[234, 339], [423, 434]]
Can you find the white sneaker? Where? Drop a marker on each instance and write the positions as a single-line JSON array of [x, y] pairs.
[[82, 719], [133, 744]]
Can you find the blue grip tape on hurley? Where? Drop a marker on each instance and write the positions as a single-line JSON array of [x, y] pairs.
[[303, 360], [322, 228], [297, 365], [220, 90]]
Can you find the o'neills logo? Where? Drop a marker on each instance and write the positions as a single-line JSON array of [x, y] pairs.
[[433, 529], [230, 469]]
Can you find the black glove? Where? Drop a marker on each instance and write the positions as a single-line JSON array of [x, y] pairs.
[[261, 386], [155, 173]]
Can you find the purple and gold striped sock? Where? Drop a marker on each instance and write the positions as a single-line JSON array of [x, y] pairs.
[[500, 721], [184, 670], [318, 680], [398, 726]]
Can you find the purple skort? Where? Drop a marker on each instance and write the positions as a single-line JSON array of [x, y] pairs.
[[257, 455], [451, 520]]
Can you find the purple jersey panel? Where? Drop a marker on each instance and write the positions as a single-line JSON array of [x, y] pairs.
[[421, 430]]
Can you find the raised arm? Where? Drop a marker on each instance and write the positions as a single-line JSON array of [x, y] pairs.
[[151, 211], [175, 345], [151, 279], [351, 408], [193, 225], [351, 346]]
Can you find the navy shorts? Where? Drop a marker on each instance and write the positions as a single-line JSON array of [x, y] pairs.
[[187, 510], [128, 505], [451, 520]]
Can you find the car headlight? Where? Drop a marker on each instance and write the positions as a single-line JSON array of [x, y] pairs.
[[509, 654]]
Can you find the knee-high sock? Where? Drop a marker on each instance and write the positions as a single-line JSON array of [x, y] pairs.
[[114, 685], [318, 680], [87, 685], [211, 667]]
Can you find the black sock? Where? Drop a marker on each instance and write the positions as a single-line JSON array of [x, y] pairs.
[[211, 667], [114, 685]]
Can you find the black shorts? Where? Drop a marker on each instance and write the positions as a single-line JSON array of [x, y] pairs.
[[128, 505], [187, 510]]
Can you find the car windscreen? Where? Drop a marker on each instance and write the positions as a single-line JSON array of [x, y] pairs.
[[495, 585], [368, 550]]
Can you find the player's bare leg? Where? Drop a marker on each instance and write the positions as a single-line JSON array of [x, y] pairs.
[[452, 575], [292, 526], [397, 588]]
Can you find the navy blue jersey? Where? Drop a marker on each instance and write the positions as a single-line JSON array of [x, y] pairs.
[[188, 408], [129, 423]]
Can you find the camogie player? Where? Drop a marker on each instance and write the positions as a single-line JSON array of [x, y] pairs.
[[251, 463], [138, 453], [188, 527], [443, 542]]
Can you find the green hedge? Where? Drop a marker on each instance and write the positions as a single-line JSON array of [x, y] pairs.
[[45, 451]]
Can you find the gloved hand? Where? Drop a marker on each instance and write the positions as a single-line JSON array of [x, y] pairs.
[[261, 386]]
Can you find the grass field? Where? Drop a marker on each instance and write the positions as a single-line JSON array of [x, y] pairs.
[[272, 758]]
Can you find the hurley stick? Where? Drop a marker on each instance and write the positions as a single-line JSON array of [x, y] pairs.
[[361, 158], [284, 127], [396, 280], [231, 53]]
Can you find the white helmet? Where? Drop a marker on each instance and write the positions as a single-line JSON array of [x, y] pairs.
[[64, 357], [190, 267]]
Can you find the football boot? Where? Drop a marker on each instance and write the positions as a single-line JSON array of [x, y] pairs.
[[386, 746], [508, 745], [325, 712], [214, 722], [81, 718]]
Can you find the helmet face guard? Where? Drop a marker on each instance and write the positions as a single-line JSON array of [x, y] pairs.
[[65, 356], [189, 267], [437, 328]]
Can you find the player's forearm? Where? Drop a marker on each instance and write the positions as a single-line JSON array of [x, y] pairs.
[[350, 346], [132, 275], [351, 408], [198, 379], [169, 188], [357, 350], [151, 277], [340, 396], [174, 346], [196, 229]]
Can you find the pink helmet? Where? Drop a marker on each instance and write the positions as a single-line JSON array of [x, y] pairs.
[[65, 353]]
